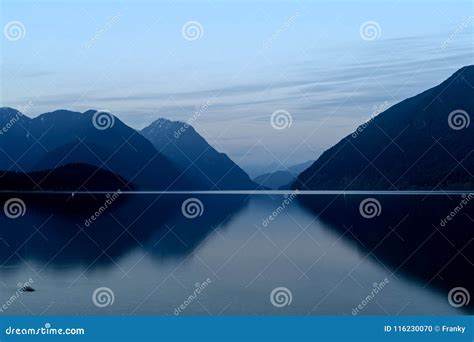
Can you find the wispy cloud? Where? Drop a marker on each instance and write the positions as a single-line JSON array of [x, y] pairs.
[[328, 90]]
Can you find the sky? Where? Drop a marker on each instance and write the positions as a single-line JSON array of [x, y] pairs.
[[227, 66]]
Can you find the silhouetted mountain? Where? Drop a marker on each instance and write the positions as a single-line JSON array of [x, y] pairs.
[[71, 177], [424, 142], [282, 178], [185, 147], [63, 137]]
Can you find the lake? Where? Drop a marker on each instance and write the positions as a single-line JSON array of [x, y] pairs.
[[236, 254]]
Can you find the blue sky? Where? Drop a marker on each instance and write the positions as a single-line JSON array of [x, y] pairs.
[[251, 59]]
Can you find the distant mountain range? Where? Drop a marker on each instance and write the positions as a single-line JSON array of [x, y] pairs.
[[282, 178], [63, 137], [424, 142], [153, 159], [199, 161]]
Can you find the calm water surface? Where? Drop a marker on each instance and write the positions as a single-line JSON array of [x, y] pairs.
[[152, 256]]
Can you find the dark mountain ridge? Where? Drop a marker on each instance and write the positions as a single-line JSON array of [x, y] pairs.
[[63, 137], [201, 162], [423, 142]]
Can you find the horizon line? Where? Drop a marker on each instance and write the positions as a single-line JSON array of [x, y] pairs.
[[248, 192]]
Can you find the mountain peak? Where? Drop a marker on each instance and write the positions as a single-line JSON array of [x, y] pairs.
[[184, 146], [90, 112], [423, 142], [93, 111], [170, 129], [8, 112], [166, 123], [8, 109], [466, 73], [59, 114], [469, 69]]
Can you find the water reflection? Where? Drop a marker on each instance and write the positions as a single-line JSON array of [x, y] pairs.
[[63, 233], [425, 238], [321, 247]]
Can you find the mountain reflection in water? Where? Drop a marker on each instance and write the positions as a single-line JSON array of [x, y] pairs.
[[319, 247]]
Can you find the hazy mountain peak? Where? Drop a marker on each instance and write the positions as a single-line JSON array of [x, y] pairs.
[[8, 112], [93, 111], [90, 112], [169, 127], [187, 148], [63, 115]]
